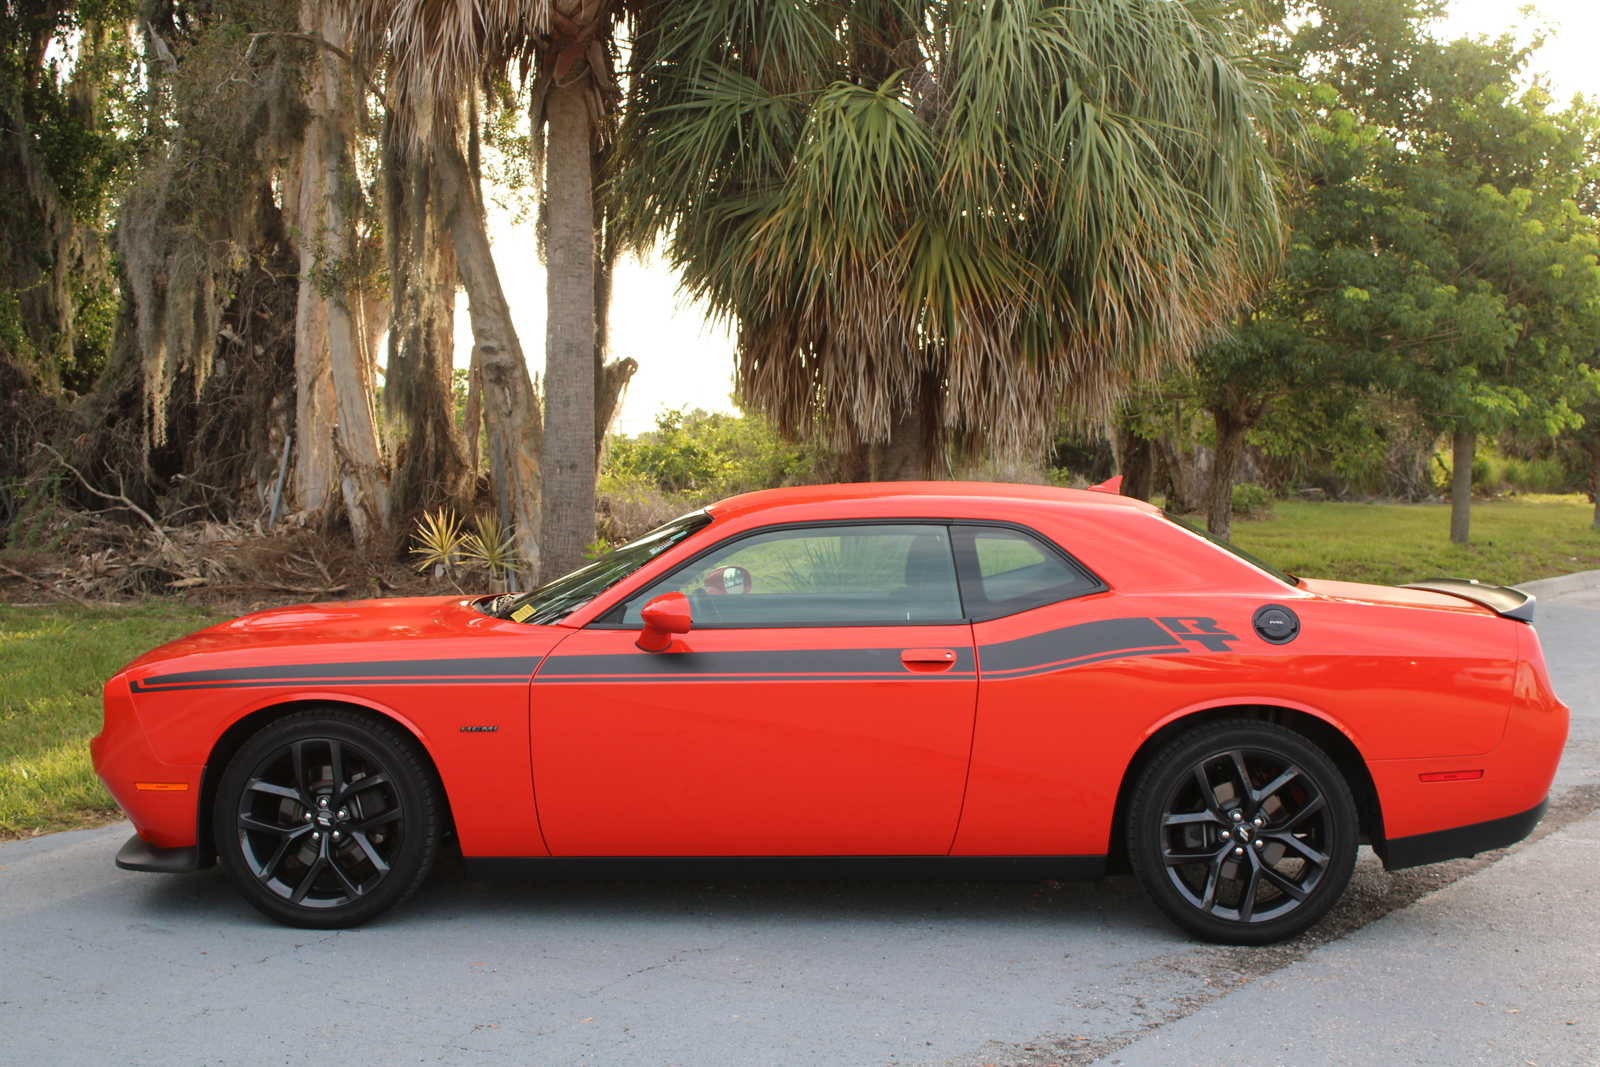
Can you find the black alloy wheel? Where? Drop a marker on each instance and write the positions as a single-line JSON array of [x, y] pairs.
[[1243, 832], [327, 818]]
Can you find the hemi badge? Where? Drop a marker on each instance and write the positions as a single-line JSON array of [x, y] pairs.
[[162, 787], [479, 729], [1450, 776]]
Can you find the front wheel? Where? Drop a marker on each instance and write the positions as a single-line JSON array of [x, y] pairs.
[[1243, 832], [326, 819]]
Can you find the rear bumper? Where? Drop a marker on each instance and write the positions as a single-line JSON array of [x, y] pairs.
[[1461, 841], [139, 855]]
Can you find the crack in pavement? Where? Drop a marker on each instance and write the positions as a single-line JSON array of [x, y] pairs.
[[1224, 969]]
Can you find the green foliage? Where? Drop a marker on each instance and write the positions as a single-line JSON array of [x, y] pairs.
[[995, 208], [53, 662], [706, 453], [1441, 270], [1253, 501], [438, 541], [1517, 540], [442, 544], [490, 546], [70, 101]]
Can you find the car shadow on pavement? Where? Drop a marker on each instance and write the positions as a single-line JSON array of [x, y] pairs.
[[1117, 904]]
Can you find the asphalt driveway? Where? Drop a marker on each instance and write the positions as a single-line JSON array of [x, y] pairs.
[[100, 966]]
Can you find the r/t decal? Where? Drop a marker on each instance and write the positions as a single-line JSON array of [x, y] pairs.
[[1202, 631]]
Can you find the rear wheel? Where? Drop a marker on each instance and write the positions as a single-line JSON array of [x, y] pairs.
[[326, 819], [1243, 832]]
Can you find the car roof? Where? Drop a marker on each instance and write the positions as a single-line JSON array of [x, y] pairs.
[[975, 492]]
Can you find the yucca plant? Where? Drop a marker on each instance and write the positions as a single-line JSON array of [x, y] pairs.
[[490, 546], [440, 544]]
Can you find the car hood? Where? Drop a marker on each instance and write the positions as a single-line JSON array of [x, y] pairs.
[[391, 628]]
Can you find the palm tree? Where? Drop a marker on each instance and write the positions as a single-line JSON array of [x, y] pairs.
[[436, 49], [949, 219]]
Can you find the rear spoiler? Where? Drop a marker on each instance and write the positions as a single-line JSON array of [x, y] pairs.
[[1500, 599]]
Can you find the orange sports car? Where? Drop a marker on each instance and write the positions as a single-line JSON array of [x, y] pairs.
[[936, 681]]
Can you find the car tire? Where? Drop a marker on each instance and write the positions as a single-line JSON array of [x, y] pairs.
[[1264, 816], [327, 818]]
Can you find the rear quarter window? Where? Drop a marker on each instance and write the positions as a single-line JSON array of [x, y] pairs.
[[1005, 570]]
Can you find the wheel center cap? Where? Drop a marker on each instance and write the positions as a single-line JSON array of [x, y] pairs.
[[1244, 831], [324, 820]]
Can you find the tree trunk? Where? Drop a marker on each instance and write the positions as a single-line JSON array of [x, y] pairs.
[[1463, 444], [1594, 472], [1136, 464], [315, 464], [913, 452], [1182, 468], [611, 382], [1231, 431], [569, 370], [334, 333], [431, 464], [335, 431], [610, 378], [510, 409], [900, 458]]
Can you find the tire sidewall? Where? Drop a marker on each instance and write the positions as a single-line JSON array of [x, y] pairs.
[[414, 789], [1175, 759]]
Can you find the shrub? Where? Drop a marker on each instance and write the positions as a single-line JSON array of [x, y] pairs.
[[711, 452], [1251, 500]]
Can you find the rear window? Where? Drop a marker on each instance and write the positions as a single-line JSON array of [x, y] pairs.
[[1005, 571], [1227, 546]]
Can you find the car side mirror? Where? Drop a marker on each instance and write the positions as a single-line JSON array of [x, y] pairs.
[[664, 616]]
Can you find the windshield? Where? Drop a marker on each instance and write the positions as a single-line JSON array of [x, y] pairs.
[[560, 598], [1260, 564]]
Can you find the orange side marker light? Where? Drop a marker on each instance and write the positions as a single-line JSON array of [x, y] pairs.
[[1450, 776], [162, 787]]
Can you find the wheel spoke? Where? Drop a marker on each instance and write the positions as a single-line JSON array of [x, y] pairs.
[[304, 887], [250, 822], [1310, 854], [1208, 897], [1312, 806], [336, 758], [1188, 818], [298, 753], [1259, 795], [1243, 772], [1247, 899], [257, 785], [1208, 795], [269, 868], [344, 879], [353, 788], [1285, 883], [1178, 859], [372, 853], [383, 818]]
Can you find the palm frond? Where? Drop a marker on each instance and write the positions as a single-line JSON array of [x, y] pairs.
[[1032, 203]]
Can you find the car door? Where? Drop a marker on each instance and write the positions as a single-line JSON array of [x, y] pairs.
[[822, 705]]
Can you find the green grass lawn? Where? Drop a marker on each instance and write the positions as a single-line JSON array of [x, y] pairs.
[[53, 661], [1513, 540]]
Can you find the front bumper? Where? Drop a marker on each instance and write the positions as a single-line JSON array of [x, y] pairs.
[[139, 855]]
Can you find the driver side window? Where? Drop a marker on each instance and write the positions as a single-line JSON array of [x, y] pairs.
[[840, 575]]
